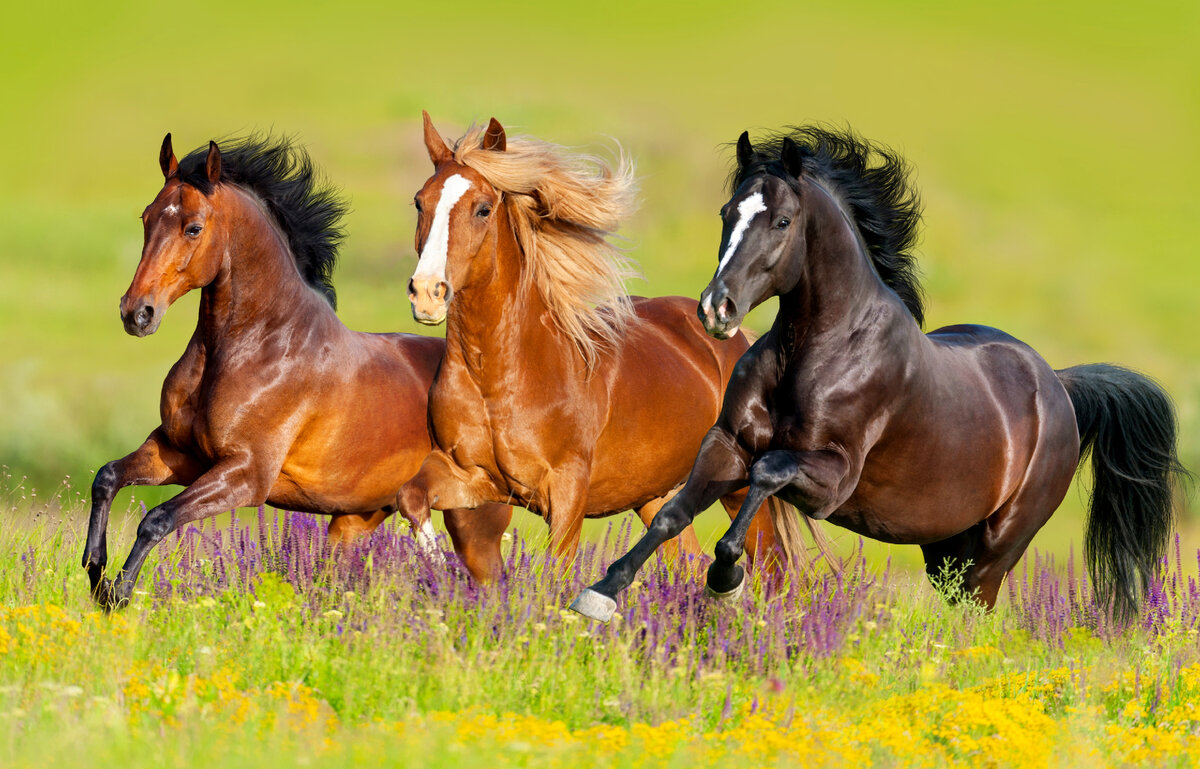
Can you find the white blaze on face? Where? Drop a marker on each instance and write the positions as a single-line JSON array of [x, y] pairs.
[[432, 263], [747, 210]]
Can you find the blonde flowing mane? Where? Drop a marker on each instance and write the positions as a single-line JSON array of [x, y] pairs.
[[563, 208]]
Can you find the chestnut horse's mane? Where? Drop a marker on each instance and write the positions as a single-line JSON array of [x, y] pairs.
[[281, 174], [564, 206]]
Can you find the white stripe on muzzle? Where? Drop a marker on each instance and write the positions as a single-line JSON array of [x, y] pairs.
[[432, 263]]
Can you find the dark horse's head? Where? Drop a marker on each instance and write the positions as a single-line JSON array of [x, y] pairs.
[[769, 218]]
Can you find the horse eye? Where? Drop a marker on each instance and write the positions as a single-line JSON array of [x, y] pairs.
[[782, 224], [193, 230], [484, 212], [417, 205]]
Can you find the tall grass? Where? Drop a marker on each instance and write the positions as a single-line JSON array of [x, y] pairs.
[[253, 641]]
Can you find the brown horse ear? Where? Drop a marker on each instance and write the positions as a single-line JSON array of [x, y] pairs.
[[745, 153], [438, 151], [493, 137], [166, 158], [212, 164], [793, 160]]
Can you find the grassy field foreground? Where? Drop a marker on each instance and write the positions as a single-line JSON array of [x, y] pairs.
[[250, 645]]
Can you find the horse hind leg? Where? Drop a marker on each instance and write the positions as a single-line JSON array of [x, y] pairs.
[[985, 553], [347, 528]]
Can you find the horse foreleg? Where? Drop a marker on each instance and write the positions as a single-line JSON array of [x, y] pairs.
[[686, 542], [443, 485], [811, 477], [760, 536], [720, 468], [231, 483], [567, 498], [476, 535], [154, 463]]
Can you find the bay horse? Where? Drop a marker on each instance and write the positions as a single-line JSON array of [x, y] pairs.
[[962, 441], [274, 400], [558, 392]]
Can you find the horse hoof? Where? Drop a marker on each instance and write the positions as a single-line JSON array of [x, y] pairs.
[[728, 595], [594, 605]]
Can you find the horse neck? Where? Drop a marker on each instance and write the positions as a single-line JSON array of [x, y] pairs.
[[258, 285], [497, 315], [839, 290]]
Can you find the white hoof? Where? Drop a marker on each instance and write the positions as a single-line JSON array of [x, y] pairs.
[[594, 605], [725, 597]]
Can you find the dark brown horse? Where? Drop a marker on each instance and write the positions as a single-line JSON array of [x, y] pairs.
[[274, 400], [963, 441], [543, 399]]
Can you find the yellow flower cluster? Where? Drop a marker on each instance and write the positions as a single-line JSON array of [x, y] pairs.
[[1022, 719], [169, 697]]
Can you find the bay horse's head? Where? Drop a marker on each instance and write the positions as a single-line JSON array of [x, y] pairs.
[[763, 225], [457, 201], [181, 248]]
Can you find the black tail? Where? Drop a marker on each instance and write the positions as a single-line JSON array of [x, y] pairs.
[[1127, 422]]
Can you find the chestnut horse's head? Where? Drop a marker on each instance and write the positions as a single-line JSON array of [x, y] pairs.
[[456, 199], [182, 247]]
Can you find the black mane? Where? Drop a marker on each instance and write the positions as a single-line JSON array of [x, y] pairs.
[[873, 183], [307, 209]]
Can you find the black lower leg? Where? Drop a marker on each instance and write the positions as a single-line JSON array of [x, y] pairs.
[[670, 521], [157, 524], [95, 553], [768, 475]]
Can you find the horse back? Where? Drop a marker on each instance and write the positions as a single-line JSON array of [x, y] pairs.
[[965, 427]]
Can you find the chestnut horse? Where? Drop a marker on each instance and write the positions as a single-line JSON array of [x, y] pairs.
[[963, 441], [544, 399], [274, 400]]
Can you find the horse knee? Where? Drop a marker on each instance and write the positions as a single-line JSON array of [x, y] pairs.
[[106, 481], [157, 524], [728, 551], [413, 503], [669, 521]]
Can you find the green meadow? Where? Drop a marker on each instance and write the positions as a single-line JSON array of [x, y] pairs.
[[1055, 147]]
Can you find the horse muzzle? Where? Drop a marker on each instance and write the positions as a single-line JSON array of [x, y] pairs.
[[719, 314], [140, 317], [430, 298]]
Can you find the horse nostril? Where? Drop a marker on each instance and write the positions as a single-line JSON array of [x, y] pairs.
[[143, 316], [439, 290], [726, 309], [412, 289]]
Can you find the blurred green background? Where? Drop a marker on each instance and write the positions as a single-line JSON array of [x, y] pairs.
[[1055, 148]]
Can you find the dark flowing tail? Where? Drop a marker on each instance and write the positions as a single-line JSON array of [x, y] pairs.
[[1128, 424]]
